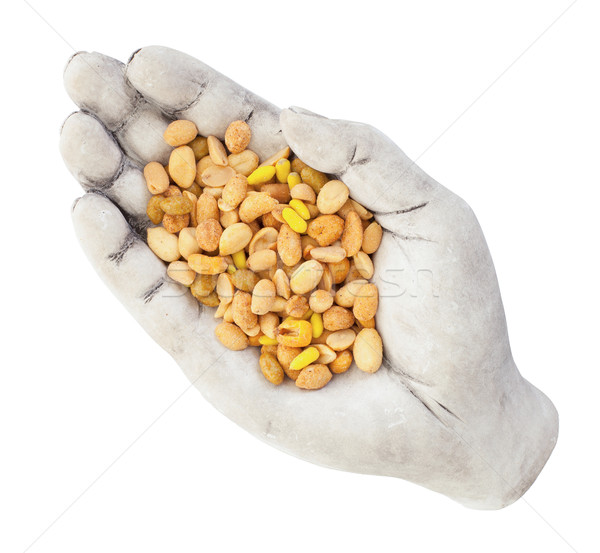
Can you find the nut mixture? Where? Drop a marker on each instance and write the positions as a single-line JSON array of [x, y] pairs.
[[280, 250]]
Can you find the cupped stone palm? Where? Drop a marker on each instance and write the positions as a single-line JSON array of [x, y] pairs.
[[448, 409]]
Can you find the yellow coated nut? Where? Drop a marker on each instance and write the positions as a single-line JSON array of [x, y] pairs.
[[294, 333], [300, 208], [282, 170], [266, 341], [261, 175], [309, 355], [294, 220], [293, 179], [316, 321], [239, 259]]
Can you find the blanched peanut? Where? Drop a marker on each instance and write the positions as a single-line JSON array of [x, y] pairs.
[[346, 295], [337, 318], [225, 288], [203, 285], [339, 271], [363, 213], [264, 239], [281, 192], [366, 302], [352, 236], [256, 205], [332, 196], [205, 265], [242, 311], [326, 282], [306, 277], [163, 244], [289, 245], [202, 166], [187, 242], [228, 218], [156, 177], [268, 325], [320, 301], [271, 368], [216, 151], [180, 272], [262, 260], [235, 190], [372, 238], [368, 350], [282, 284], [364, 265], [231, 336], [326, 354], [341, 339], [263, 297], [313, 377], [341, 363], [182, 166], [237, 136], [206, 208], [180, 132], [217, 176], [326, 229], [304, 192], [283, 153], [244, 163], [235, 238], [328, 254]]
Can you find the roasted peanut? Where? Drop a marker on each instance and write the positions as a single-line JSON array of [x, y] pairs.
[[337, 318], [244, 163], [313, 377], [264, 239], [261, 260], [326, 229], [231, 336], [296, 306], [217, 176], [156, 177], [175, 223], [216, 151], [372, 238], [366, 302], [182, 166], [346, 295], [163, 244], [180, 272], [235, 238], [364, 265], [352, 236], [263, 297], [205, 265], [206, 208], [341, 363], [237, 136], [187, 242], [256, 205], [235, 190], [320, 301], [368, 350], [208, 235], [199, 146], [341, 339], [332, 196], [271, 368], [180, 132], [328, 254], [306, 277]]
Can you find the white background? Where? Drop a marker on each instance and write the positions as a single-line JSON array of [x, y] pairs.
[[81, 382]]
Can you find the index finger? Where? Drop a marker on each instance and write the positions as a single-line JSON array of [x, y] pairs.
[[185, 88]]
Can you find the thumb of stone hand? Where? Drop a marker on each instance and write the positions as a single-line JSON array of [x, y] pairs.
[[448, 410]]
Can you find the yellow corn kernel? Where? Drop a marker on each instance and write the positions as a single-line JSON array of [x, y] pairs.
[[239, 259], [292, 218], [294, 333], [293, 179], [266, 341], [282, 170], [307, 315], [231, 269], [299, 207], [261, 175], [304, 359], [316, 322]]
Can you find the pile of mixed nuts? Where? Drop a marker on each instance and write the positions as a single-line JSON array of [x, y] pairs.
[[277, 247]]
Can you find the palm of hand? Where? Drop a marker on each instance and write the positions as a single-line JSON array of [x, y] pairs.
[[448, 409]]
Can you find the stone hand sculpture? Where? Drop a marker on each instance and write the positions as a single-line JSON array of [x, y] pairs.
[[447, 410]]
